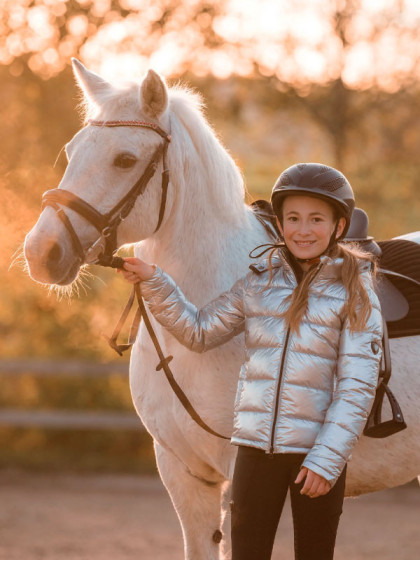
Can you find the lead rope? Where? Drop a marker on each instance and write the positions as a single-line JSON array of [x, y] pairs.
[[164, 364]]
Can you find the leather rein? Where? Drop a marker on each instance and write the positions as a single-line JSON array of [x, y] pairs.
[[107, 225]]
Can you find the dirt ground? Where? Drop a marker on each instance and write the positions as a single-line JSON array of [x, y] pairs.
[[126, 517]]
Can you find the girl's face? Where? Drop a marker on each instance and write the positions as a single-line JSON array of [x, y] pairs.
[[308, 224]]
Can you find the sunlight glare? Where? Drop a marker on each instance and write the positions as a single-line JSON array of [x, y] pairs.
[[123, 66], [167, 58], [358, 65], [221, 64], [78, 25], [39, 22], [294, 40], [311, 63]]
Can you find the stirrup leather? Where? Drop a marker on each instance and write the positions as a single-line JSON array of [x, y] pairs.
[[375, 427]]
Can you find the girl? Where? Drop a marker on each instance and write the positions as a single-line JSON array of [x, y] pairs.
[[313, 331]]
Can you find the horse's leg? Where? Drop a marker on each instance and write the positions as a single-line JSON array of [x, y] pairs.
[[226, 544], [197, 503]]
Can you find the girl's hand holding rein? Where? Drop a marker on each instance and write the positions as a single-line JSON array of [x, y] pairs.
[[315, 485], [135, 270]]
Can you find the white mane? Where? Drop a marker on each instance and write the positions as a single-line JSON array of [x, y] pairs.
[[219, 173]]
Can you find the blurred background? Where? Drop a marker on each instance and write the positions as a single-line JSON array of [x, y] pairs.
[[335, 81]]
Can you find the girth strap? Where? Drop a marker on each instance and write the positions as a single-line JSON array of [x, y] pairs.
[[163, 361]]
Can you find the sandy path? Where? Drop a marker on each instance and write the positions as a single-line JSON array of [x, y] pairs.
[[125, 517]]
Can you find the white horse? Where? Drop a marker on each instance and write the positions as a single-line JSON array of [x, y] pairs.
[[203, 243]]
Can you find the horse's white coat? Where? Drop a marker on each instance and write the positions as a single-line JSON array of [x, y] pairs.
[[203, 244]]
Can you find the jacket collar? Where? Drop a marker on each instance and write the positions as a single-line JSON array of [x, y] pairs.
[[332, 267]]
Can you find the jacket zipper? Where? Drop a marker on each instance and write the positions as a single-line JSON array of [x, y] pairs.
[[276, 408]]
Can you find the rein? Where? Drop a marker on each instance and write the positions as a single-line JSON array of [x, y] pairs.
[[164, 361]]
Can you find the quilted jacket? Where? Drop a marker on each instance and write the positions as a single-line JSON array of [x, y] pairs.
[[308, 392]]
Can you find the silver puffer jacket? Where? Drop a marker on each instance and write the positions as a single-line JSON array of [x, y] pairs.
[[305, 393]]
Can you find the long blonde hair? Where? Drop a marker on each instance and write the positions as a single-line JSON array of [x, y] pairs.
[[357, 307]]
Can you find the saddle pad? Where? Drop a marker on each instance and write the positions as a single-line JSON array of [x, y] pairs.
[[403, 257]]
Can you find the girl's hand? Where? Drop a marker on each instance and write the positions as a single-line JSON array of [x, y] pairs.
[[135, 270], [315, 485]]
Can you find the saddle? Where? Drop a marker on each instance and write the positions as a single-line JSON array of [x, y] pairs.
[[398, 290], [398, 285]]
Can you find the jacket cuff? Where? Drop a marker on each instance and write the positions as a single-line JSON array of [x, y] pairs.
[[332, 480], [149, 285]]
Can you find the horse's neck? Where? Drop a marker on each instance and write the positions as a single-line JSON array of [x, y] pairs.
[[203, 254], [205, 241]]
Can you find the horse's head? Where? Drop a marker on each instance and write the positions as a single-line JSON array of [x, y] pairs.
[[109, 180]]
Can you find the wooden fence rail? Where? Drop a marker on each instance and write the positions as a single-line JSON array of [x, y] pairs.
[[61, 367], [65, 419]]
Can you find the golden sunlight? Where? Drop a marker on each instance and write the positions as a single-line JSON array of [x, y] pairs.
[[366, 43], [296, 41]]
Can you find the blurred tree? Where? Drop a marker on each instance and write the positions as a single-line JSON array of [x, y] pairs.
[[336, 103], [360, 42], [329, 48], [44, 34], [365, 123]]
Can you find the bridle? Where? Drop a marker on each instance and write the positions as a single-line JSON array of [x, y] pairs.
[[101, 251]]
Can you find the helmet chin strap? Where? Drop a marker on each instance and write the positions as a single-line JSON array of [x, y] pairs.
[[313, 260]]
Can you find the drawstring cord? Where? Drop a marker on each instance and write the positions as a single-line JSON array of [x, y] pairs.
[[268, 246]]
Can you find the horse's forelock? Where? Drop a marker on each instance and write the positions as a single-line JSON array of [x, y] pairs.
[[111, 103]]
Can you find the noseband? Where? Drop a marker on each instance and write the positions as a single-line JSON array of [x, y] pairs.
[[107, 224]]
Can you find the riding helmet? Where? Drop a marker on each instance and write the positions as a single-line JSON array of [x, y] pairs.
[[317, 180]]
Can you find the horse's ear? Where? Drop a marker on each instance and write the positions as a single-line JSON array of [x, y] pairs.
[[91, 84], [154, 95]]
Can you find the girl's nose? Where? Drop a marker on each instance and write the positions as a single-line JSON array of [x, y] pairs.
[[304, 228]]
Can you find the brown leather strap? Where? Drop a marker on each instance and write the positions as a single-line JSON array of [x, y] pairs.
[[112, 341], [375, 427], [165, 183], [163, 361], [68, 225]]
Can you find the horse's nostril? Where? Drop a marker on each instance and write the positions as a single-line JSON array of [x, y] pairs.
[[54, 255]]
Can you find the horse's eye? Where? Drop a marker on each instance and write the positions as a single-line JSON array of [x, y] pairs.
[[124, 161]]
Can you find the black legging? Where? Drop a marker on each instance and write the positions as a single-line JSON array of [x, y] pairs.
[[259, 488]]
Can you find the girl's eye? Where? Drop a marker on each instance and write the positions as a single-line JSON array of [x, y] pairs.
[[124, 161], [292, 219], [317, 219]]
